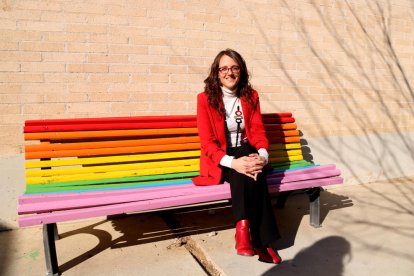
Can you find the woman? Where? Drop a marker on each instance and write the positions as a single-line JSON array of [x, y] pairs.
[[234, 148]]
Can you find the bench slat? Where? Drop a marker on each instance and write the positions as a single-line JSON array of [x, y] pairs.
[[170, 118], [112, 144], [111, 151], [111, 159], [107, 133], [136, 119], [154, 171], [112, 168]]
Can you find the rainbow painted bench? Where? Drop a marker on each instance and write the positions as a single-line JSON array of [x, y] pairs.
[[84, 168]]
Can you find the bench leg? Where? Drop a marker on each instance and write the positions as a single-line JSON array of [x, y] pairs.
[[314, 208], [49, 235]]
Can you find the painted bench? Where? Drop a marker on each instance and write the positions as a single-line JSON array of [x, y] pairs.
[[84, 168]]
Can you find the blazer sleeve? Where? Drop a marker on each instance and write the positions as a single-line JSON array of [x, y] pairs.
[[210, 144], [256, 126]]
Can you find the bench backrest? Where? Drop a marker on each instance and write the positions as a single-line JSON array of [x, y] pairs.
[[132, 152]]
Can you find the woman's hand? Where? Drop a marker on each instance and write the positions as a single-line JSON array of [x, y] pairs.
[[243, 165], [250, 165]]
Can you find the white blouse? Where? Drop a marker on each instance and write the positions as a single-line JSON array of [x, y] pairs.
[[231, 105]]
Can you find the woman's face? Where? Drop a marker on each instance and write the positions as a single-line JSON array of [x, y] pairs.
[[229, 72]]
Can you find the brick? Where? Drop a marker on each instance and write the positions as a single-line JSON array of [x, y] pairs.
[[167, 50], [88, 87], [21, 14], [19, 56], [168, 87], [63, 57], [82, 28], [90, 68], [128, 68], [87, 47], [40, 26], [109, 78], [145, 40], [8, 24], [20, 98], [147, 59], [10, 88], [130, 87], [109, 97], [65, 97], [10, 109], [107, 58], [42, 46], [44, 108], [79, 7], [42, 67], [150, 78], [64, 77], [20, 77], [89, 107], [140, 96], [126, 11], [185, 42], [38, 5], [110, 39], [168, 69], [66, 17], [66, 37], [19, 35], [9, 46], [186, 25], [9, 67], [129, 107], [42, 88], [127, 49], [127, 31], [187, 78]]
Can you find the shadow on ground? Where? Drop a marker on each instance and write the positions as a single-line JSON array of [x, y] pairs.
[[146, 228], [325, 257]]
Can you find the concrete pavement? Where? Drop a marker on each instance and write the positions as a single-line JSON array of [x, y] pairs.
[[366, 230]]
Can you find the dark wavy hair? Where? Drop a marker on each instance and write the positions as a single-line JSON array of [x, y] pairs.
[[213, 85]]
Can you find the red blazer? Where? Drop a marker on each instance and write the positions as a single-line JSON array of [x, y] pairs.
[[213, 139]]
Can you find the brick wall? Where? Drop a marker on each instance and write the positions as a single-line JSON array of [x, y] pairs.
[[342, 67]]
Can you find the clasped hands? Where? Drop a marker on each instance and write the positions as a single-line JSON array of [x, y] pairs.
[[250, 165]]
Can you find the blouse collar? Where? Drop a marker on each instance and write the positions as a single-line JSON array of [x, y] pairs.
[[227, 92]]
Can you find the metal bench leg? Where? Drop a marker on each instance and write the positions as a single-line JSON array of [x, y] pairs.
[[49, 235], [314, 208]]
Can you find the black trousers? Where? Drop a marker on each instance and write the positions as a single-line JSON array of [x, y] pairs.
[[251, 201]]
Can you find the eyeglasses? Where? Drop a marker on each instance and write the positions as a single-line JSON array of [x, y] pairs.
[[234, 69]]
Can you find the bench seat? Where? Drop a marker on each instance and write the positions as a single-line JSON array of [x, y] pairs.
[[91, 167]]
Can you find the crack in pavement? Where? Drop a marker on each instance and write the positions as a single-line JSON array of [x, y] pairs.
[[184, 239]]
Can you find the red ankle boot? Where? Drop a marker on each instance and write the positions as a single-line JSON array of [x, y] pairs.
[[243, 243], [268, 255]]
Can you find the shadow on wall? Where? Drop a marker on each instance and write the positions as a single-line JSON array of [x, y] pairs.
[[327, 256], [365, 72], [370, 73]]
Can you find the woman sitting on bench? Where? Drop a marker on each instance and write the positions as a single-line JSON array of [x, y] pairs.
[[234, 149]]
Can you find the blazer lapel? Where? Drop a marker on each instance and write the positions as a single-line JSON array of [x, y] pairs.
[[217, 121]]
